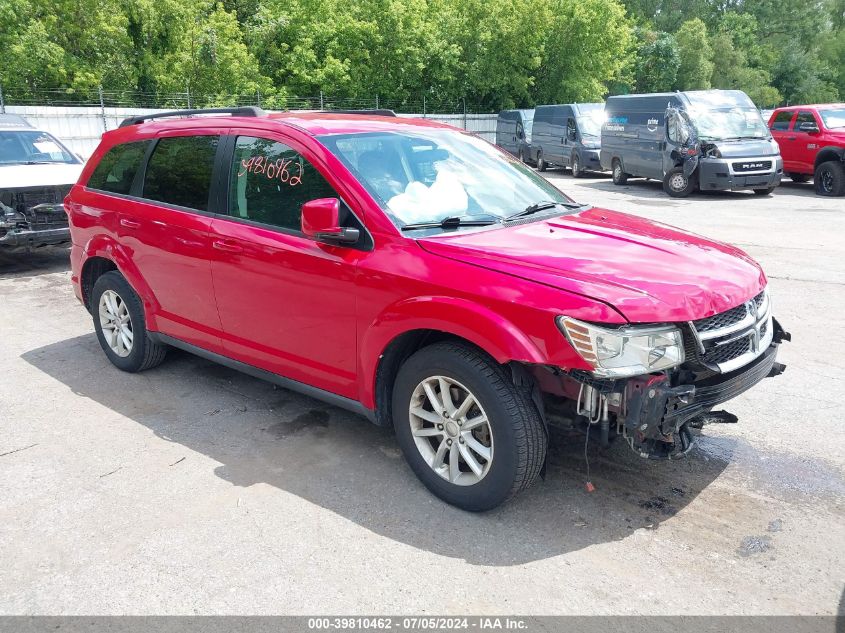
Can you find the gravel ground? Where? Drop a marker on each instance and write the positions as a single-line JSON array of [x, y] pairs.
[[192, 489]]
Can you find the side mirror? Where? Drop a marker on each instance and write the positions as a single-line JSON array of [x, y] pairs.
[[808, 126], [321, 221]]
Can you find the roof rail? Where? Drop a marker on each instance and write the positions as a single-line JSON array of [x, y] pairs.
[[249, 111], [374, 111]]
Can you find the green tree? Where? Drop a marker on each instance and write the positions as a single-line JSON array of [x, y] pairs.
[[212, 61], [656, 66], [587, 46], [696, 67]]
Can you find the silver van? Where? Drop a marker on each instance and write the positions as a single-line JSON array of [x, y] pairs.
[[567, 135], [702, 139]]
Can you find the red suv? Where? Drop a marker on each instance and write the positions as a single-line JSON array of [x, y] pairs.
[[419, 276], [812, 144]]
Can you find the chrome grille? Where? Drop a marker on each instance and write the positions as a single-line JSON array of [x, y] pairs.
[[722, 320], [735, 337], [751, 165], [723, 353]]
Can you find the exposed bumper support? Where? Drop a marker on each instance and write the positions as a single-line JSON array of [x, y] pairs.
[[45, 237]]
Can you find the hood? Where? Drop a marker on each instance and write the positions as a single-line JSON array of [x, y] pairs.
[[648, 271], [19, 176], [747, 148], [837, 135]]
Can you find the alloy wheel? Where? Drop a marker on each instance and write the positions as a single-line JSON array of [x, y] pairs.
[[826, 181], [116, 323], [451, 430]]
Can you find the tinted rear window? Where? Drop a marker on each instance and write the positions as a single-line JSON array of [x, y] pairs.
[[118, 167], [179, 171]]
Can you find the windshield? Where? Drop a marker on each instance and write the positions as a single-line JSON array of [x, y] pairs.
[[32, 147], [590, 124], [833, 118], [428, 175], [528, 126], [719, 124]]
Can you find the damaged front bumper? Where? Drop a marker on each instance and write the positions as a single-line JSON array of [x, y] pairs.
[[655, 413], [31, 217], [18, 237]]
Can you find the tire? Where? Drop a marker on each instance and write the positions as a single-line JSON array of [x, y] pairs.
[[541, 163], [799, 177], [142, 353], [514, 432], [829, 179], [619, 176], [575, 163], [763, 192], [678, 185], [520, 156]]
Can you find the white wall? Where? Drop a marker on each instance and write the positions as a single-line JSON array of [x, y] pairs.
[[80, 128]]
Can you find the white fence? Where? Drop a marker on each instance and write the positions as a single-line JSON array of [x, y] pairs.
[[80, 128]]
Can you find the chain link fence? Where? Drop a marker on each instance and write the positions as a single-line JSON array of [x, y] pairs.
[[424, 104], [79, 118]]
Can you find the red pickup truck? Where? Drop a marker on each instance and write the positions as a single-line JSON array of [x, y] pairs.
[[812, 144]]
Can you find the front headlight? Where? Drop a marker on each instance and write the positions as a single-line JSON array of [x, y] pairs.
[[629, 351]]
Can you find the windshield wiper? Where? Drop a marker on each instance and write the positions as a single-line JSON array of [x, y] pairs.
[[448, 223], [543, 206]]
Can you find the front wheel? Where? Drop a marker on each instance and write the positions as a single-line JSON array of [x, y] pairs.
[[829, 179], [764, 192], [541, 162], [471, 436], [677, 184]]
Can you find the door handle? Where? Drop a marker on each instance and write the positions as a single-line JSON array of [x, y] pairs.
[[792, 138], [227, 246], [129, 224]]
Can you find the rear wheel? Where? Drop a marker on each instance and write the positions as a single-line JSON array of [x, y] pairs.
[[799, 177], [677, 184], [541, 162], [120, 326], [472, 437], [829, 179], [619, 175]]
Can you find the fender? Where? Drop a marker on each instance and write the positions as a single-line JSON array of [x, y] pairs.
[[489, 331], [829, 152], [109, 248]]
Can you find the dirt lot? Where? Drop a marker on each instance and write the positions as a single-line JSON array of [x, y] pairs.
[[194, 489]]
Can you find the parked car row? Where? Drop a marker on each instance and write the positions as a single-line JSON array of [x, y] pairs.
[[707, 140]]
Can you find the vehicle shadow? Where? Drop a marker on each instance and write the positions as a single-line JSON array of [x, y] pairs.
[[341, 462], [37, 261]]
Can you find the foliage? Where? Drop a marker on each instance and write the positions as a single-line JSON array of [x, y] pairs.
[[696, 67], [656, 66], [488, 54]]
